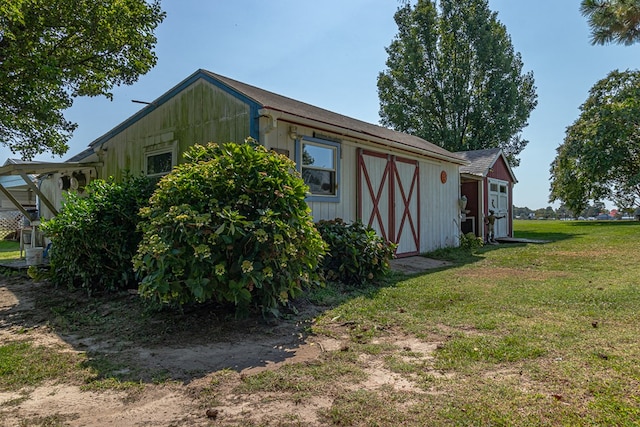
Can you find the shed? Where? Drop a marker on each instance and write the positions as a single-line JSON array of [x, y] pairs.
[[406, 188], [487, 183]]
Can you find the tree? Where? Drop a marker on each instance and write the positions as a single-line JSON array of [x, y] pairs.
[[563, 212], [600, 156], [592, 211], [616, 21], [54, 50], [521, 212], [547, 213], [454, 79]]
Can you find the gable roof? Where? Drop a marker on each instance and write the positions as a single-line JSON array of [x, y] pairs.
[[281, 103], [480, 161], [263, 99]]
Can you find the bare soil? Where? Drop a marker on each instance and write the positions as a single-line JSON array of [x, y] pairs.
[[176, 358]]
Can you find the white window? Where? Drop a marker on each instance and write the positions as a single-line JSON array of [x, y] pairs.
[[319, 165], [160, 161]]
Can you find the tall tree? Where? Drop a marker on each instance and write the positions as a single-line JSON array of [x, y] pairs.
[[600, 156], [54, 50], [454, 79], [616, 21]]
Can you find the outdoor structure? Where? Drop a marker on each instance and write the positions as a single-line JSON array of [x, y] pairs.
[[487, 183], [23, 200], [14, 187], [406, 188], [17, 202]]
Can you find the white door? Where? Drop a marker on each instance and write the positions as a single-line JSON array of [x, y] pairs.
[[374, 175], [406, 206], [499, 203], [389, 199]]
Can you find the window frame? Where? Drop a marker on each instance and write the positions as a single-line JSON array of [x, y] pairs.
[[336, 149], [150, 152]]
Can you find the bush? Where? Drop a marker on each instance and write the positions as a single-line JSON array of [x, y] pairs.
[[356, 253], [470, 242], [94, 236], [229, 225]]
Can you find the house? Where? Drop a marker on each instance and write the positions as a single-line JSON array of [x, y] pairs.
[[406, 188], [487, 183]]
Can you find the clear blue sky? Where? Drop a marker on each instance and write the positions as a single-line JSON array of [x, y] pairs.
[[329, 54]]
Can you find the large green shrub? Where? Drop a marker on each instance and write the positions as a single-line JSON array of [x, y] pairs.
[[94, 236], [229, 225], [356, 255]]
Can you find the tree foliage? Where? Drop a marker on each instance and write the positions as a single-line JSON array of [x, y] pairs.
[[454, 79], [230, 225], [600, 156], [54, 50], [612, 21]]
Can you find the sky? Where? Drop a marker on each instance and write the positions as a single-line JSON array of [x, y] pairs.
[[329, 54]]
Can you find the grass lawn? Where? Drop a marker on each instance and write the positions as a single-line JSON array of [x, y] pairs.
[[511, 335], [535, 334], [9, 249]]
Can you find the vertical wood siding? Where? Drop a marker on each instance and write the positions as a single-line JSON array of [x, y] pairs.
[[439, 206], [439, 212], [201, 113]]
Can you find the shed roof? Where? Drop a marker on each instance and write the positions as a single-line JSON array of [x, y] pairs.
[[281, 103], [480, 161], [272, 101]]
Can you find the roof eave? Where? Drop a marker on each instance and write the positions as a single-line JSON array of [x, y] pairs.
[[358, 134], [40, 168]]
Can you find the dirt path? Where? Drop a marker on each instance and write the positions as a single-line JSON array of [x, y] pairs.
[[186, 358], [177, 363]]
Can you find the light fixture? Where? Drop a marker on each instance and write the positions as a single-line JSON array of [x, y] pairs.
[[293, 132]]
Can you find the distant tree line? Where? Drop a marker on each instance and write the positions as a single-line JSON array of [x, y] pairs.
[[563, 212]]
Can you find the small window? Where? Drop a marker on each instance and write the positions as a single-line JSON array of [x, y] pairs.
[[318, 164], [503, 189], [159, 164], [493, 187]]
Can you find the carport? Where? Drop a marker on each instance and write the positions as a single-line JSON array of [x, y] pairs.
[[24, 169]]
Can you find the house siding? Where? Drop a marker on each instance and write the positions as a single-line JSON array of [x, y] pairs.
[[501, 172], [202, 110], [439, 206], [201, 113], [280, 139], [439, 212]]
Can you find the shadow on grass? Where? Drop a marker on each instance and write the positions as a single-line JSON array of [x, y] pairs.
[[125, 341], [545, 236], [609, 223]]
